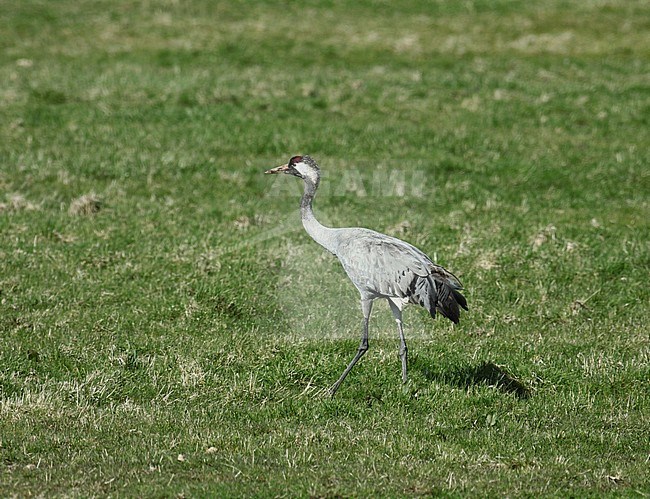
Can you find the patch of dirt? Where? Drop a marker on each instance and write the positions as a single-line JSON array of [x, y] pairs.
[[86, 205]]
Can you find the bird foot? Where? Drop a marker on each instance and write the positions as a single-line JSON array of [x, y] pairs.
[[410, 389]]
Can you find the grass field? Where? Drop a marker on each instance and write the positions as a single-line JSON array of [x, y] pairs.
[[168, 329]]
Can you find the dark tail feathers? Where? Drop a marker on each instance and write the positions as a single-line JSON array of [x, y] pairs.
[[449, 300], [438, 294]]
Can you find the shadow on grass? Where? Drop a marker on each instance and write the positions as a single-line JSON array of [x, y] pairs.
[[487, 373]]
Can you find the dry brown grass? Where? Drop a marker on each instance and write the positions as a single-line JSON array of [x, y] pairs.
[[86, 205]]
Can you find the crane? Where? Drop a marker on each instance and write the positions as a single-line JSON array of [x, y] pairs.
[[379, 266]]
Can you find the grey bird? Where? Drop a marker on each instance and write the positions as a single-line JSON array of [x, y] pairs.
[[379, 266]]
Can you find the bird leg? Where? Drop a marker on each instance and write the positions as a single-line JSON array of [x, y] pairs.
[[403, 351], [366, 307]]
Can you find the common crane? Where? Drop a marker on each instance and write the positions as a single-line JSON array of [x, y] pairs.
[[380, 266]]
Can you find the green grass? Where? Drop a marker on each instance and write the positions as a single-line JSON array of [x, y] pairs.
[[173, 321]]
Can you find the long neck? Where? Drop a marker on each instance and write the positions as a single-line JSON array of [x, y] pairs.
[[319, 233]]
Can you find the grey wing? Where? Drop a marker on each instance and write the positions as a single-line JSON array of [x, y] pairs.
[[383, 266], [379, 265]]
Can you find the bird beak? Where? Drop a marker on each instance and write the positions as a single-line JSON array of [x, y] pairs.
[[279, 169]]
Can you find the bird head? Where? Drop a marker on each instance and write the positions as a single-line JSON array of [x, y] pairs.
[[303, 167]]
